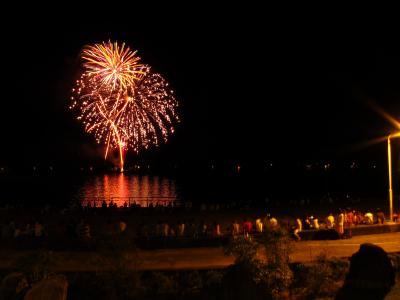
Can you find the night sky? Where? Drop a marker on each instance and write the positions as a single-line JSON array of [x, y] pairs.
[[249, 91]]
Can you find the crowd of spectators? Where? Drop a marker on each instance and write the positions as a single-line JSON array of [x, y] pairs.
[[90, 221]]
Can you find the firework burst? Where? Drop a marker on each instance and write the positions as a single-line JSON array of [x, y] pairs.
[[121, 102], [113, 65]]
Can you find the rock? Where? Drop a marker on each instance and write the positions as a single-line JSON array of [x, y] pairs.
[[328, 234], [13, 286], [394, 293], [53, 288]]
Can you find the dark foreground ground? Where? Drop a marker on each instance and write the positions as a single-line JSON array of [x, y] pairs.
[[196, 258]]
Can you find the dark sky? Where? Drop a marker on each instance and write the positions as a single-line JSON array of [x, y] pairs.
[[249, 90]]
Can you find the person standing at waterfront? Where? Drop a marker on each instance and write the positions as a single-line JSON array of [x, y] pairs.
[[104, 205], [217, 229], [165, 229], [39, 230], [247, 227], [235, 228], [349, 218], [380, 216], [83, 230], [395, 217], [357, 217], [369, 218], [315, 223], [307, 223], [203, 228], [259, 226], [181, 228], [273, 223], [330, 221], [122, 227], [298, 228], [192, 230], [265, 221], [340, 224]]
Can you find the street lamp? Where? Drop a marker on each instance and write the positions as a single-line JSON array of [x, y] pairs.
[[390, 173]]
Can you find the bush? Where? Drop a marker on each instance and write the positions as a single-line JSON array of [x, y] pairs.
[[320, 279], [212, 281], [278, 275], [105, 285], [243, 249], [36, 265], [240, 283], [271, 278], [161, 284], [190, 283]]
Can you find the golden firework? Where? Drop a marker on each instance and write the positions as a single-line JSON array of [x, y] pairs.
[[121, 102], [113, 65]]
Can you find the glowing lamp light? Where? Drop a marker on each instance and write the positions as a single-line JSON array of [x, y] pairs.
[[389, 150]]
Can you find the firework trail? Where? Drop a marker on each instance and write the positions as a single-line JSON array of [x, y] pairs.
[[121, 102]]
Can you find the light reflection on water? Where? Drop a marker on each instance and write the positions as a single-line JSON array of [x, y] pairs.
[[143, 189]]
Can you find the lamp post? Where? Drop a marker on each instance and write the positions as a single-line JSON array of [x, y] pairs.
[[389, 147]]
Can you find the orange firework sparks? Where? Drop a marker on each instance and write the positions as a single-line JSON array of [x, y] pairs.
[[126, 108], [113, 65]]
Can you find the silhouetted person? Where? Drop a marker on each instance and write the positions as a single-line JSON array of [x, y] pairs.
[[104, 205], [371, 275], [380, 216]]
